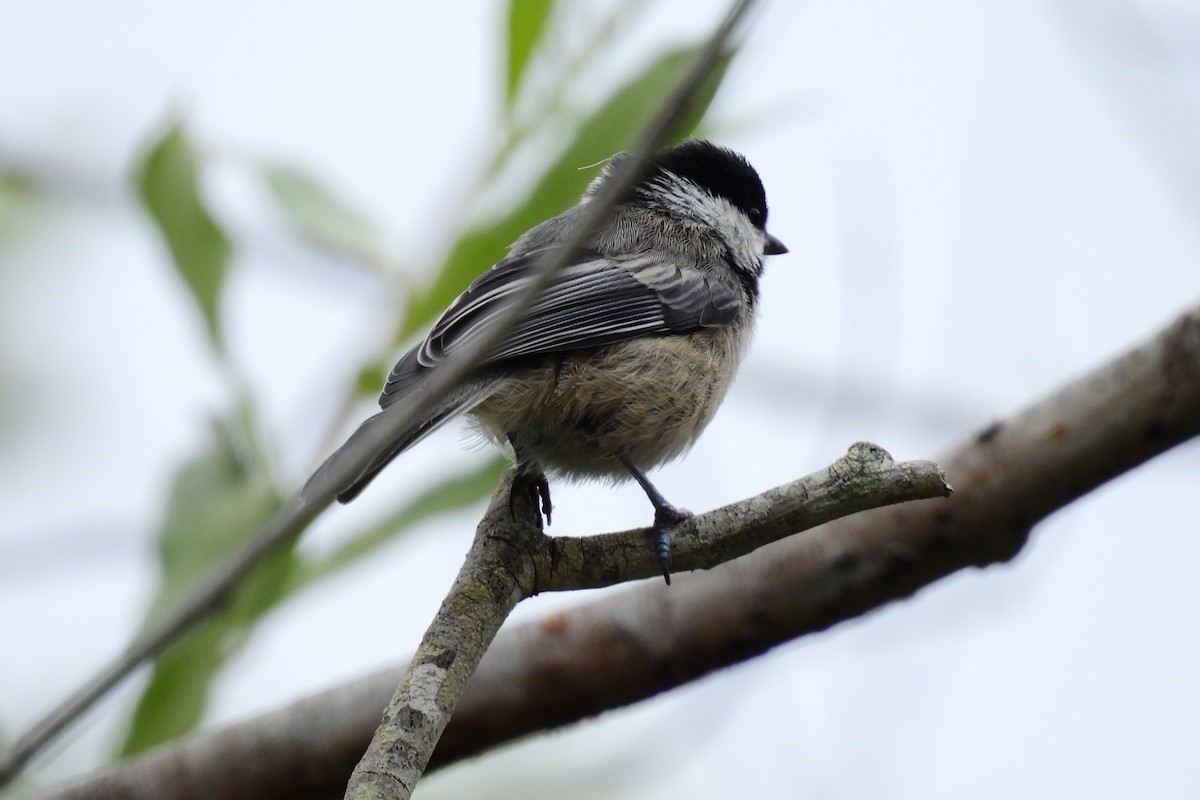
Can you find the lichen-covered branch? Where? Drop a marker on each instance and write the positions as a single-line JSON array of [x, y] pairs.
[[511, 560], [493, 579]]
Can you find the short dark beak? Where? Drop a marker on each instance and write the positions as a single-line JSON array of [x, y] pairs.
[[774, 247]]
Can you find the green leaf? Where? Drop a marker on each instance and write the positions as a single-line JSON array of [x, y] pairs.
[[319, 214], [373, 375], [527, 23], [173, 703], [217, 501], [168, 182], [19, 196], [450, 494], [609, 129]]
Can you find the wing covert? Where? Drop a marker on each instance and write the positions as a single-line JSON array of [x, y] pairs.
[[596, 301]]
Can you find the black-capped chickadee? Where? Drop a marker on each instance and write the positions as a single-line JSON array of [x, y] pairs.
[[621, 362]]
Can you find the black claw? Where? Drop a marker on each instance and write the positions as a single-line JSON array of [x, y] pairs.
[[534, 487], [663, 549], [666, 517], [542, 488]]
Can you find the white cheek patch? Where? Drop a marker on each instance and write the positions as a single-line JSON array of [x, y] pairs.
[[686, 201], [746, 240]]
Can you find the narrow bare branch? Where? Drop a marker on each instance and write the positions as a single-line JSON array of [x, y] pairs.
[[603, 655], [866, 477]]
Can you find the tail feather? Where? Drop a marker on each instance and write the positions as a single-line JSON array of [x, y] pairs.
[[338, 478], [378, 464]]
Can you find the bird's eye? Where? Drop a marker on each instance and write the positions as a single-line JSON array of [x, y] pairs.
[[756, 215]]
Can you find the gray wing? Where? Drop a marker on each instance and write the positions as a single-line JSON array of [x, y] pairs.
[[596, 301]]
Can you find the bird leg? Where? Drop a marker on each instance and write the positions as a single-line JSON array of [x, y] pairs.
[[666, 516]]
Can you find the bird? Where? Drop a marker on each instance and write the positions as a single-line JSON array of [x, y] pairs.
[[622, 360]]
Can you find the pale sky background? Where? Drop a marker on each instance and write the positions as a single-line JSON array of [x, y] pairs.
[[982, 200]]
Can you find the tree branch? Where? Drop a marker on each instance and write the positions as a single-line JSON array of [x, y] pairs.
[[866, 477], [511, 560], [493, 578], [599, 656]]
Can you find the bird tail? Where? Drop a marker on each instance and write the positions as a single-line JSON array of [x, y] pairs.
[[337, 477]]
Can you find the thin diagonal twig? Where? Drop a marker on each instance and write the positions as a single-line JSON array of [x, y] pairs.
[[297, 514]]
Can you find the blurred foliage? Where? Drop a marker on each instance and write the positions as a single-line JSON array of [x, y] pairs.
[[607, 130], [217, 501], [448, 494], [20, 211], [220, 497], [168, 183], [321, 216], [18, 197], [527, 24]]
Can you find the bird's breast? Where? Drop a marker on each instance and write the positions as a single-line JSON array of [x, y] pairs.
[[647, 398]]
